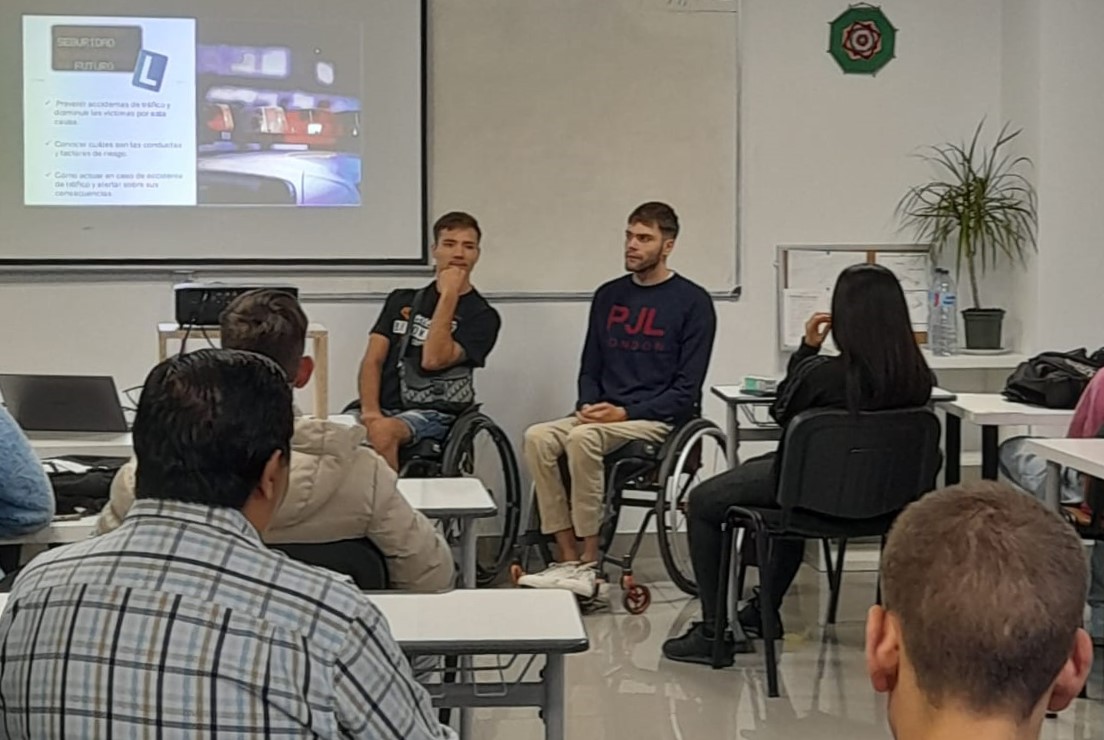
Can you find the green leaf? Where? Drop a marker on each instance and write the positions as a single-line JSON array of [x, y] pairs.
[[980, 204]]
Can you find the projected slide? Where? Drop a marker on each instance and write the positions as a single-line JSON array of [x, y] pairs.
[[178, 112]]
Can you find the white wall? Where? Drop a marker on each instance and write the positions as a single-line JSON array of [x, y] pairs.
[[1071, 150], [825, 158], [1020, 104]]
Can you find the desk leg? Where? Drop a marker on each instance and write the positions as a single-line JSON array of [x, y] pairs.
[[732, 424], [952, 473], [554, 698], [467, 580], [989, 442], [468, 558], [466, 720], [1053, 497]]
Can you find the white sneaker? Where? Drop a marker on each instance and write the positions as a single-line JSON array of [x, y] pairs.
[[583, 581], [551, 577]]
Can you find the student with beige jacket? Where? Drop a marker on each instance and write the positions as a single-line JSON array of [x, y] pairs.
[[339, 488]]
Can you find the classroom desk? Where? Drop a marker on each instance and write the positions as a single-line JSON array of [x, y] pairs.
[[318, 335], [990, 411], [762, 428], [1083, 455], [469, 623], [492, 622], [461, 499], [59, 444], [107, 444]]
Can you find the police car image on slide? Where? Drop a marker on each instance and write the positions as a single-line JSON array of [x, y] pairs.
[[301, 178]]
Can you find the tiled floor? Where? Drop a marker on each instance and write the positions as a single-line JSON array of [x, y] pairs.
[[622, 688]]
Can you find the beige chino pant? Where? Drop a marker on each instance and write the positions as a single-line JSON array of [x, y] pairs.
[[585, 445]]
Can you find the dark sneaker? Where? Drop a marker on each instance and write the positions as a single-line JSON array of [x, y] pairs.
[[696, 646], [751, 620]]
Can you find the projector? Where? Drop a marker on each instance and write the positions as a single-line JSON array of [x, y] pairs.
[[201, 304]]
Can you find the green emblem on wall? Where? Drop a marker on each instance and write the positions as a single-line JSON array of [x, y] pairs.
[[862, 40]]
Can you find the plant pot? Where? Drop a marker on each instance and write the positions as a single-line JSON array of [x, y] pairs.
[[983, 327]]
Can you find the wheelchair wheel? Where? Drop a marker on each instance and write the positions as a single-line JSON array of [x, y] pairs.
[[480, 449], [698, 453]]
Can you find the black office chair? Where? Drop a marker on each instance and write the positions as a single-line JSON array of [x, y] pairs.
[[841, 476], [359, 559]]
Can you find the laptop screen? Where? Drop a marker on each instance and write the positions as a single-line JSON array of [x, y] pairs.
[[63, 403]]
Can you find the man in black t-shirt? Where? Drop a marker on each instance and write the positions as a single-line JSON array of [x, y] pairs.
[[453, 325]]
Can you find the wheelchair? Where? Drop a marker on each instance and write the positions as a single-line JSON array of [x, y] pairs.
[[654, 477], [475, 447]]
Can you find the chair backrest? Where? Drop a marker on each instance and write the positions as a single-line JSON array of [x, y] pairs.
[[858, 466], [359, 559]]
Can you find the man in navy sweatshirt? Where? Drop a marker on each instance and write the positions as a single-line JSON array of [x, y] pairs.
[[648, 343]]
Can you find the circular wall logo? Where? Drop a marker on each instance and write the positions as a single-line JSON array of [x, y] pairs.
[[862, 40]]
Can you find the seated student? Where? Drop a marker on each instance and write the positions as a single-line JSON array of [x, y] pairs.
[[879, 367], [1028, 471], [181, 622], [453, 326], [980, 634], [648, 343], [26, 496], [340, 489]]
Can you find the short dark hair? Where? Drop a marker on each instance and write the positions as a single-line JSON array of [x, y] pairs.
[[269, 322], [457, 220], [657, 215], [989, 586], [207, 424]]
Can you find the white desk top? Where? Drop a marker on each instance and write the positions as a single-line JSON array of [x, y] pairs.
[[734, 394], [480, 621], [58, 532], [448, 497], [485, 621], [992, 409], [171, 328], [1083, 455], [57, 444]]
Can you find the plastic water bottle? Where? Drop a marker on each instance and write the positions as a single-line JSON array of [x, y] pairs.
[[943, 315]]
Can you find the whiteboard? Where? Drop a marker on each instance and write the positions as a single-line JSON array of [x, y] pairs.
[[807, 275], [552, 119]]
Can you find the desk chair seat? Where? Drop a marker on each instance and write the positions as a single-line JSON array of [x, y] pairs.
[[841, 475], [637, 449], [427, 449]]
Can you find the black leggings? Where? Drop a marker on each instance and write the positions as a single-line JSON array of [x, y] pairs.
[[749, 484]]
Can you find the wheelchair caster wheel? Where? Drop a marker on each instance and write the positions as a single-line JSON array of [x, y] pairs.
[[636, 599], [516, 572]]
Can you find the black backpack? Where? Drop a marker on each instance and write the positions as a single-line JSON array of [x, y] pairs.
[[1054, 380], [87, 492]]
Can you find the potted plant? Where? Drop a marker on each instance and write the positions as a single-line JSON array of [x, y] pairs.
[[983, 208]]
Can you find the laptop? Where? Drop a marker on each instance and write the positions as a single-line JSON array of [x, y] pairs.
[[64, 403]]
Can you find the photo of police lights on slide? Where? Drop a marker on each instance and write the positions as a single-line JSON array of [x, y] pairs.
[[179, 112]]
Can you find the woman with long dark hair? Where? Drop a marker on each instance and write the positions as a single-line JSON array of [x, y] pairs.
[[879, 366]]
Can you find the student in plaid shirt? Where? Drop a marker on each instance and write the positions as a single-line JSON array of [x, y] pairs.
[[181, 623]]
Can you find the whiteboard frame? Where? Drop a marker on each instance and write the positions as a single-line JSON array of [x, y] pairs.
[[782, 253]]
